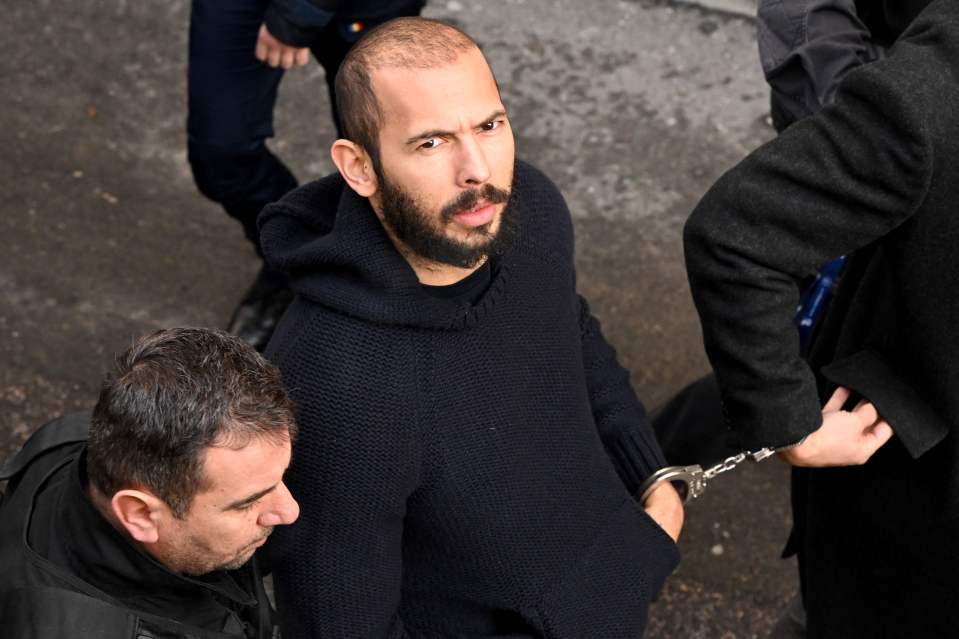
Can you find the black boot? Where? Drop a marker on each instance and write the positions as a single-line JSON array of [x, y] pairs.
[[260, 310]]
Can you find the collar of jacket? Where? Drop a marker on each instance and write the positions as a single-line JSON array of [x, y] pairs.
[[101, 556]]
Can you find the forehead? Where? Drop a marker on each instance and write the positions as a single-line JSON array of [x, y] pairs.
[[444, 97], [235, 472]]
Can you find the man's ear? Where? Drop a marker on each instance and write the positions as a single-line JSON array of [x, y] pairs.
[[355, 166], [139, 513]]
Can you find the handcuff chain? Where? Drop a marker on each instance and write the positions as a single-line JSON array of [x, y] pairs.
[[692, 479], [724, 466], [731, 462]]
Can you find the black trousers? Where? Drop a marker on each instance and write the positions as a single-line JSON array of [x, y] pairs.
[[231, 100], [690, 426]]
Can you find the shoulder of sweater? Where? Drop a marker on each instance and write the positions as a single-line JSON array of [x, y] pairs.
[[546, 220], [315, 200], [317, 346], [350, 377]]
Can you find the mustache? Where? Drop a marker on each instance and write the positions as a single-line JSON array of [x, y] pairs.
[[469, 199]]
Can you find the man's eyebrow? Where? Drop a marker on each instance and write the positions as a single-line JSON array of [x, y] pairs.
[[246, 501], [438, 133]]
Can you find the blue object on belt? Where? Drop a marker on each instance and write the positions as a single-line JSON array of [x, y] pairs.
[[813, 302]]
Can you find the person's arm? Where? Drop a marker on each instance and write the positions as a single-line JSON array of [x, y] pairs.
[[623, 425], [806, 48], [827, 186], [297, 22], [356, 460], [289, 29], [277, 54]]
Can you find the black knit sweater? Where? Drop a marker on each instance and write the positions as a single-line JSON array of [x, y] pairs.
[[463, 470]]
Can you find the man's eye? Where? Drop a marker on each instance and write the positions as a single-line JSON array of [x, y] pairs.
[[491, 125], [432, 143], [246, 507]]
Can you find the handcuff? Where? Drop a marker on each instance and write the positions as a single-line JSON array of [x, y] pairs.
[[690, 481]]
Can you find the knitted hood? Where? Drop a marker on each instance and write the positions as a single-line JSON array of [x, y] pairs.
[[335, 252]]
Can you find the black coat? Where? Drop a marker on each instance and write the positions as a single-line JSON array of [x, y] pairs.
[[66, 572], [875, 176]]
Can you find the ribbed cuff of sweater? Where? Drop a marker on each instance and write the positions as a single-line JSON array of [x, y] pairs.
[[636, 455]]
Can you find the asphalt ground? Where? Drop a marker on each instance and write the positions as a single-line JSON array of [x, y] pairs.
[[633, 108]]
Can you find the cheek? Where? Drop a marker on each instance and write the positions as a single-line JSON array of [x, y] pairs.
[[228, 531], [502, 156], [432, 194]]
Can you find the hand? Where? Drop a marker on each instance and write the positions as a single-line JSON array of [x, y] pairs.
[[276, 54], [846, 438], [666, 509]]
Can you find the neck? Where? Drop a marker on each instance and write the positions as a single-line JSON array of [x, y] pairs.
[[103, 506], [433, 274]]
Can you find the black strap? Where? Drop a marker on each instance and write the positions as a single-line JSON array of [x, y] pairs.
[[68, 429]]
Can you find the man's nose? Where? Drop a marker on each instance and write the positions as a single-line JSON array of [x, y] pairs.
[[283, 508], [473, 169]]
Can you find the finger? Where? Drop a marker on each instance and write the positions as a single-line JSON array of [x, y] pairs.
[[287, 59], [273, 57], [302, 56], [866, 412], [839, 397], [878, 435], [260, 51], [882, 432]]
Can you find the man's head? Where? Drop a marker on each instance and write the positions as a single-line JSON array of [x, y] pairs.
[[188, 445], [429, 141]]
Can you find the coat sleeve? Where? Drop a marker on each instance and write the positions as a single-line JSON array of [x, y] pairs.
[[825, 187], [619, 415], [338, 568]]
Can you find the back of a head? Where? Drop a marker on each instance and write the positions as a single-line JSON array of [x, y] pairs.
[[406, 43], [171, 395]]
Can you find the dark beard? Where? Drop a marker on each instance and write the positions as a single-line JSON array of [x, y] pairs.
[[416, 229]]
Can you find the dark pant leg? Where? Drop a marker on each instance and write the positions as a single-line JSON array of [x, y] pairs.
[[690, 427], [231, 100], [330, 49]]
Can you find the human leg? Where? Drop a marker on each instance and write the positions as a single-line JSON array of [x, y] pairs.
[[231, 100]]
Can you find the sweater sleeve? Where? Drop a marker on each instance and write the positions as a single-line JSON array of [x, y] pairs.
[[617, 411], [827, 186], [338, 568]]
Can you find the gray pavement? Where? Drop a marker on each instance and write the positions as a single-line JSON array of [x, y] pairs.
[[633, 108]]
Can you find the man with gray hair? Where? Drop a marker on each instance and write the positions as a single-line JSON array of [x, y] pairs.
[[142, 520], [470, 448]]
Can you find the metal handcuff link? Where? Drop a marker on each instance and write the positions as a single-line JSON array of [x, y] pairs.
[[692, 480]]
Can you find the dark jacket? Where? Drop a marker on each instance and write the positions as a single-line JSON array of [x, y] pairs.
[[873, 176], [68, 573], [298, 22], [463, 470], [807, 47]]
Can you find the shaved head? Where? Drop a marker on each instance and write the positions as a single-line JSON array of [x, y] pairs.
[[405, 43]]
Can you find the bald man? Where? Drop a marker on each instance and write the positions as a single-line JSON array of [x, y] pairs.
[[469, 445]]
